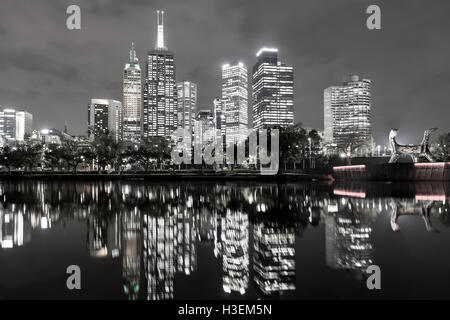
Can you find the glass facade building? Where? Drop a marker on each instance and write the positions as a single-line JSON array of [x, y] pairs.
[[347, 112], [235, 101], [132, 99], [105, 117], [160, 118], [273, 91], [15, 124], [187, 105]]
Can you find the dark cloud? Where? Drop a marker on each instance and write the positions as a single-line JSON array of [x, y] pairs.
[[54, 72]]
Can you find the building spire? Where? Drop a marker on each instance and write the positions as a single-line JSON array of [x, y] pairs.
[[160, 45], [133, 57]]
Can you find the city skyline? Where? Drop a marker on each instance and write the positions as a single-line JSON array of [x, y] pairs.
[[415, 44]]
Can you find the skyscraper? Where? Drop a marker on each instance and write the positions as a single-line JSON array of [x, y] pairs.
[[187, 105], [105, 117], [132, 99], [160, 91], [235, 101], [219, 118], [15, 124], [273, 91], [204, 127], [347, 113]]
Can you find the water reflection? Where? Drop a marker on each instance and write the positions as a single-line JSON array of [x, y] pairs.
[[251, 230]]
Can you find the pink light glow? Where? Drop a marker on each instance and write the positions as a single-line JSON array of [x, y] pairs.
[[430, 197], [342, 168], [340, 192], [435, 165]]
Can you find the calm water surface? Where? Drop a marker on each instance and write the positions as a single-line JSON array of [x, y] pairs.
[[244, 240]]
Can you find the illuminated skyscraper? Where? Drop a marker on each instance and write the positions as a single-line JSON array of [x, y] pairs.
[[187, 105], [160, 91], [273, 91], [219, 118], [105, 117], [235, 101], [204, 127], [132, 99], [15, 124], [347, 113]]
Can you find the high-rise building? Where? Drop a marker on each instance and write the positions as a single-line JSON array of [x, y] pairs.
[[15, 124], [219, 118], [105, 117], [347, 113], [235, 101], [204, 127], [187, 105], [132, 98], [160, 90], [273, 91]]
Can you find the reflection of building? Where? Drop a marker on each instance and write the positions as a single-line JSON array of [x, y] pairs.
[[186, 238], [274, 258], [131, 253], [160, 90], [235, 255], [235, 101], [347, 112], [348, 231], [159, 256], [105, 117], [273, 91], [104, 236], [15, 231], [132, 98]]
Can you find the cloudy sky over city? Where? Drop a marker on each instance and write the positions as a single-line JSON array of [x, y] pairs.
[[53, 72]]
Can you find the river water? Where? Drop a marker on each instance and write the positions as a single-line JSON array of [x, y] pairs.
[[230, 240]]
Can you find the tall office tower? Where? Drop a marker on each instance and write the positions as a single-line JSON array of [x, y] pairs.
[[219, 118], [160, 90], [235, 101], [187, 105], [105, 117], [274, 258], [347, 114], [235, 254], [15, 124], [204, 127], [132, 99], [273, 91]]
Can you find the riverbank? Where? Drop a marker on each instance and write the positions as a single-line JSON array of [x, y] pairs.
[[164, 176]]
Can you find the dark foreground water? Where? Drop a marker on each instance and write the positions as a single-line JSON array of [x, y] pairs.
[[251, 240]]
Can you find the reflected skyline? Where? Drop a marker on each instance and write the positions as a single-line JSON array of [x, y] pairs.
[[156, 231]]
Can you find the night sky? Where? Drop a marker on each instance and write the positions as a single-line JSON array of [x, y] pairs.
[[53, 72]]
